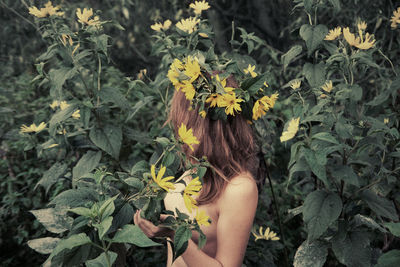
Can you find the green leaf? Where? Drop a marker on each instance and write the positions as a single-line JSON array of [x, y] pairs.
[[107, 208], [320, 209], [318, 169], [367, 221], [75, 197], [102, 261], [51, 175], [70, 243], [86, 164], [381, 206], [346, 174], [336, 5], [139, 104], [163, 141], [257, 83], [57, 79], [325, 136], [352, 249], [139, 167], [288, 57], [82, 211], [135, 183], [308, 5], [394, 228], [60, 116], [311, 254], [103, 227], [113, 95], [53, 220], [181, 238], [315, 74], [389, 259], [132, 234], [43, 245], [313, 35], [108, 138]]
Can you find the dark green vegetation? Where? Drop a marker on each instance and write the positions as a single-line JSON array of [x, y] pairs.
[[333, 190]]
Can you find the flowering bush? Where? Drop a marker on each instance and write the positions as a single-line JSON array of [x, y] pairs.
[[330, 141]]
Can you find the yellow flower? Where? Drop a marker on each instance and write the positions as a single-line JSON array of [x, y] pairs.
[[159, 26], [54, 104], [187, 136], [386, 120], [199, 6], [259, 110], [192, 68], [216, 100], [295, 84], [395, 19], [350, 37], [203, 34], [362, 26], [174, 71], [66, 38], [189, 90], [63, 105], [267, 235], [291, 130], [76, 114], [231, 104], [266, 84], [32, 128], [83, 16], [202, 218], [250, 69], [327, 87], [190, 203], [52, 145], [366, 43], [223, 83], [188, 25], [333, 34], [202, 113], [48, 9], [193, 187], [162, 182]]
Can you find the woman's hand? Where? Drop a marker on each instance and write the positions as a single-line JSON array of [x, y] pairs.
[[150, 229]]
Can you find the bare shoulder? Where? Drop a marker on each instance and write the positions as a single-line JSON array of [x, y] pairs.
[[240, 187]]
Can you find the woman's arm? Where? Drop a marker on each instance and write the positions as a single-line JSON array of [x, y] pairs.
[[237, 206]]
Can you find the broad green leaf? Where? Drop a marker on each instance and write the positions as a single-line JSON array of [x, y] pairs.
[[53, 220], [86, 164], [313, 35], [113, 95], [106, 259], [139, 167], [60, 116], [346, 174], [162, 141], [389, 259], [51, 175], [70, 243], [325, 136], [122, 217], [103, 227], [315, 74], [380, 205], [308, 5], [108, 138], [352, 249], [139, 104], [43, 245], [320, 209], [181, 238], [257, 83], [311, 254], [57, 78], [394, 228], [288, 57], [135, 183], [168, 159], [75, 197], [318, 169], [82, 211], [132, 234], [107, 208]]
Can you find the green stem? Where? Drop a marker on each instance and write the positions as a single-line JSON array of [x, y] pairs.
[[98, 79]]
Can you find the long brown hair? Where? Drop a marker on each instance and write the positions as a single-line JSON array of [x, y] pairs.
[[229, 146]]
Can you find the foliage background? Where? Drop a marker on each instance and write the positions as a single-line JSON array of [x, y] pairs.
[[275, 22]]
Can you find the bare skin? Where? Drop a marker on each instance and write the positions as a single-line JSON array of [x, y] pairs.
[[232, 217]]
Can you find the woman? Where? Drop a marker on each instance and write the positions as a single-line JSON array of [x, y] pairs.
[[229, 194]]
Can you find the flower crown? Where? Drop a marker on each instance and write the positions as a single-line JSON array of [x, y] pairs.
[[222, 94]]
